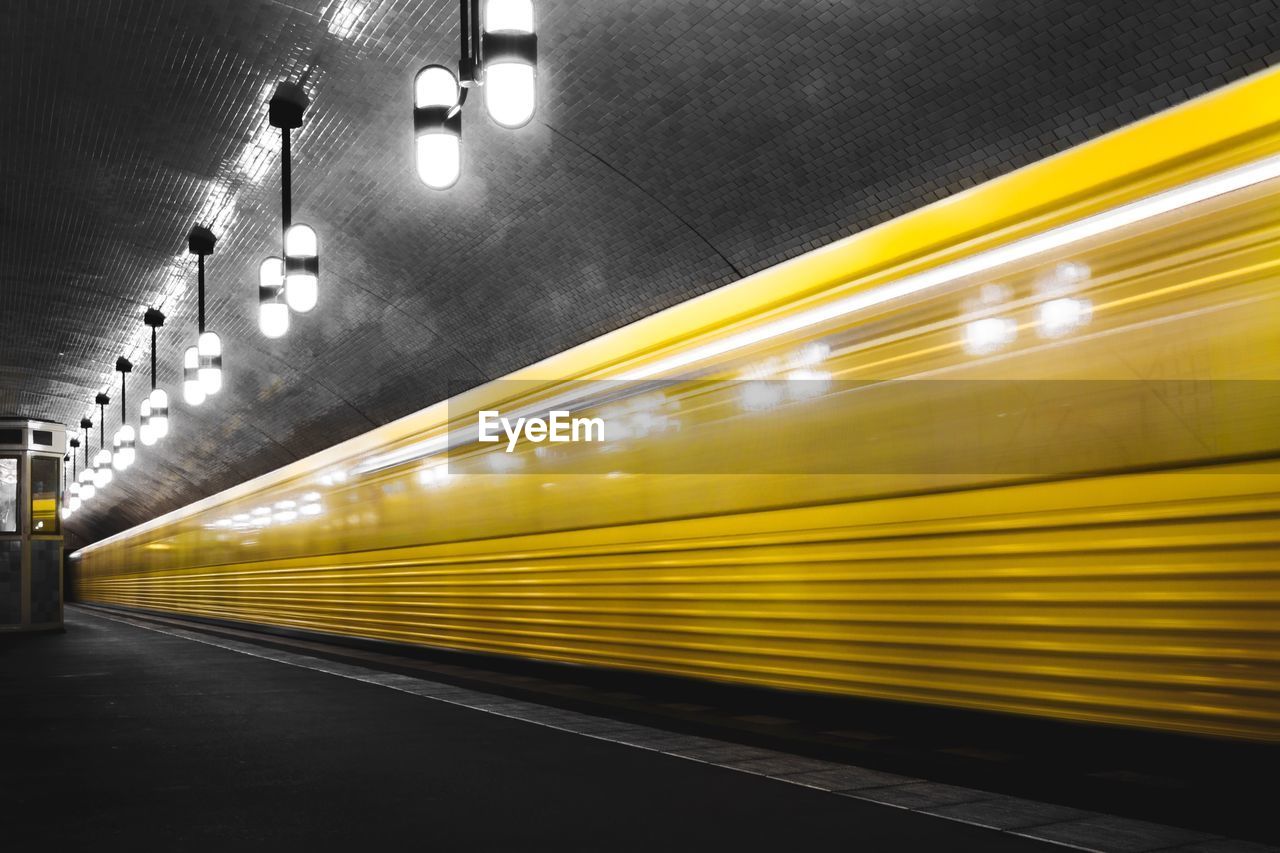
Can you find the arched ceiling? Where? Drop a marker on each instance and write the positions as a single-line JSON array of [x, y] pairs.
[[678, 146]]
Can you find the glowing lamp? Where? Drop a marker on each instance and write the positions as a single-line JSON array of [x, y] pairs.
[[159, 401], [125, 452], [209, 361], [102, 473], [87, 488], [155, 409], [273, 312], [437, 126], [145, 433], [509, 48], [192, 391], [301, 268]]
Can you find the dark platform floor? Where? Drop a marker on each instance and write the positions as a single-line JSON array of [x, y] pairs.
[[118, 736]]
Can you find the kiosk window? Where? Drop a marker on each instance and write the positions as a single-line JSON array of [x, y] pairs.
[[8, 495], [44, 494]]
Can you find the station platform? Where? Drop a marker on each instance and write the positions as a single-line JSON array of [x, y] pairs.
[[127, 731]]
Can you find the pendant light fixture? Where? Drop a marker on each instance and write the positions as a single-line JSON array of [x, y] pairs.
[[437, 126], [509, 51], [73, 489], [301, 245], [500, 55], [123, 444], [202, 363], [192, 391], [273, 311], [155, 408], [65, 509], [102, 462], [87, 487]]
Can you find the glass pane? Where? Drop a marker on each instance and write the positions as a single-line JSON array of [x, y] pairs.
[[8, 495], [44, 494]]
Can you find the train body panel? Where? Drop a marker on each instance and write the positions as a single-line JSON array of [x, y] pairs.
[[1018, 451]]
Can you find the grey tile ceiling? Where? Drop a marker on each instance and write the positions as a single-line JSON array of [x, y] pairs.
[[679, 146]]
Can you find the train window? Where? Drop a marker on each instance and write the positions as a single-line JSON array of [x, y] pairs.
[[44, 495], [10, 436], [8, 495], [42, 437]]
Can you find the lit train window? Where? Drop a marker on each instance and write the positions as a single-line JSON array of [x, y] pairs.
[[8, 495], [44, 495]]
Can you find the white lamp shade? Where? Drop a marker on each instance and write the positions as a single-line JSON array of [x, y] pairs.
[[439, 159], [87, 491], [74, 502], [438, 146], [192, 390], [273, 313], [145, 433], [301, 287], [435, 86], [159, 401], [271, 273], [301, 291], [122, 458], [102, 473], [209, 350], [300, 242], [510, 93], [273, 319], [127, 455], [511, 16]]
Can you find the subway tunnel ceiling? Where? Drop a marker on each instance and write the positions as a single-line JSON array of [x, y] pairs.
[[678, 147]]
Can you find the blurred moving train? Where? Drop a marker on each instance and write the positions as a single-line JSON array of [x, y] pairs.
[[1075, 518]]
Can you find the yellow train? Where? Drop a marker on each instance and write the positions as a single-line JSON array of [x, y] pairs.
[[1015, 451]]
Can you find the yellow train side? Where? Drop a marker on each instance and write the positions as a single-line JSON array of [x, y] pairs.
[[1110, 557]]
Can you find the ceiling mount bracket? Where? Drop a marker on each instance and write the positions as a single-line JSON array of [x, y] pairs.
[[287, 105]]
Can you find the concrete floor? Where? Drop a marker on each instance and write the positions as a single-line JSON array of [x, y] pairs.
[[119, 736]]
